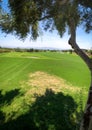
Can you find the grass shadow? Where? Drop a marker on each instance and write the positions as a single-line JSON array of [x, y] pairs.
[[50, 111], [8, 96], [6, 99]]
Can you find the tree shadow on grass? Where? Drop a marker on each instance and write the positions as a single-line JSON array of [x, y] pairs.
[[51, 111], [6, 99], [8, 96]]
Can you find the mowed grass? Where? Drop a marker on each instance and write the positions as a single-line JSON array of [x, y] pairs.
[[41, 89], [16, 66]]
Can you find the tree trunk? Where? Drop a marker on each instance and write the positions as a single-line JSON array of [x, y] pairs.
[[86, 123]]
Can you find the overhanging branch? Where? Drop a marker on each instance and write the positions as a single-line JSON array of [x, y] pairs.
[[81, 53], [45, 17], [74, 45]]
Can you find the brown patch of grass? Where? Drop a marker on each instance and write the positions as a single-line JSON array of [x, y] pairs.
[[40, 81]]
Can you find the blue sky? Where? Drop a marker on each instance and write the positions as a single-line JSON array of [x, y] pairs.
[[50, 40]]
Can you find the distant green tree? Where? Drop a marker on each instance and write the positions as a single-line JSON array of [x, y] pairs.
[[27, 16]]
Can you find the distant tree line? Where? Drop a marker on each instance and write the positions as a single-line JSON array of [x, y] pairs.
[[70, 51]]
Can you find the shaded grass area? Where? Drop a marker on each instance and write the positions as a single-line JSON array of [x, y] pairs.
[[50, 111], [8, 97]]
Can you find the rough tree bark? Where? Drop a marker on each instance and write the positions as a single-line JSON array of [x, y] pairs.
[[86, 123]]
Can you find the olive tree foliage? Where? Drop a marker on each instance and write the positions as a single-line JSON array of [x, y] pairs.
[[24, 16]]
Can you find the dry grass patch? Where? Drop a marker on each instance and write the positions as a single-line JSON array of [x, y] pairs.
[[40, 81]]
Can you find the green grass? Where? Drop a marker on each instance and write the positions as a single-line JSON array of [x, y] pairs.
[[15, 107], [16, 66]]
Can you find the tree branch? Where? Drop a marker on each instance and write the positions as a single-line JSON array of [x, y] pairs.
[[45, 17], [83, 55], [74, 45]]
